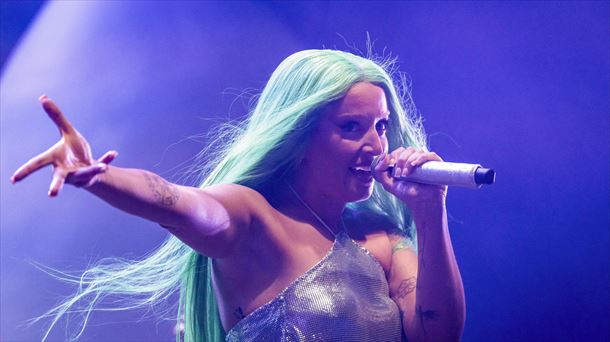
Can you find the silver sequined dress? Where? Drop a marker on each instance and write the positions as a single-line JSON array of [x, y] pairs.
[[344, 297]]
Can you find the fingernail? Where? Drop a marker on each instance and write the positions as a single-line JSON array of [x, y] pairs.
[[397, 171], [413, 163], [42, 97], [377, 160]]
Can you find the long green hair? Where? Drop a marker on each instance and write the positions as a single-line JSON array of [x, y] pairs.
[[258, 151]]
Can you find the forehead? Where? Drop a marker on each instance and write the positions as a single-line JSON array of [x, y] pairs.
[[361, 98]]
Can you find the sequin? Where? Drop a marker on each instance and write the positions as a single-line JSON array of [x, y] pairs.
[[344, 297]]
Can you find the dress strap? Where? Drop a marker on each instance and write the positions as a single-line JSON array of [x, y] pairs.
[[312, 211]]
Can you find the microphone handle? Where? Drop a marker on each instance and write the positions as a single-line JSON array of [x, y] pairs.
[[452, 174]]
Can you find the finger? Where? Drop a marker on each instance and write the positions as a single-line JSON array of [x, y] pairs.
[[83, 176], [425, 157], [395, 157], [380, 171], [56, 115], [402, 168], [108, 157], [41, 160], [413, 157], [413, 161], [397, 152], [59, 177], [381, 163]]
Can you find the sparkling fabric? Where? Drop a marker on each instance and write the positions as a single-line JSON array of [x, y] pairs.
[[344, 297]]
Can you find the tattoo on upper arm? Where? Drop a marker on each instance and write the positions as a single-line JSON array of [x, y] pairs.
[[406, 286], [403, 243], [164, 192]]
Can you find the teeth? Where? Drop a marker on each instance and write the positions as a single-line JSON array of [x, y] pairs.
[[363, 168]]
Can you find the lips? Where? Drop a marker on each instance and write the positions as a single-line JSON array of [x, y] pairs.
[[363, 173]]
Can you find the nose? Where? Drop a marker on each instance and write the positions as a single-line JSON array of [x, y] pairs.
[[374, 143]]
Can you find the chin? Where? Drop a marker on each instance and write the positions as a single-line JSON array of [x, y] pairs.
[[361, 193]]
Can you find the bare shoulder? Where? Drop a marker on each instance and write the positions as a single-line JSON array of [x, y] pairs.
[[235, 193], [238, 199], [363, 223], [221, 218], [372, 231], [401, 241]]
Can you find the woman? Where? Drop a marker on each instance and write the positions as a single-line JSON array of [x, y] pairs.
[[292, 235]]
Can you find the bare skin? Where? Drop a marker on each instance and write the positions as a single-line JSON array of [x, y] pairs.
[[261, 242]]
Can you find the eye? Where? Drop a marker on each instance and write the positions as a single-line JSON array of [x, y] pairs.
[[382, 126], [351, 126]]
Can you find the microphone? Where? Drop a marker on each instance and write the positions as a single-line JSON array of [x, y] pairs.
[[446, 173]]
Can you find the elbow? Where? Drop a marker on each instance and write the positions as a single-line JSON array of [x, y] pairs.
[[215, 243], [447, 326], [454, 327], [444, 334]]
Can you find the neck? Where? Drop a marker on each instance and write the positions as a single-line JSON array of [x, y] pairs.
[[328, 209]]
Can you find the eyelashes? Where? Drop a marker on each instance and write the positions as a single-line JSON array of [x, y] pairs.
[[354, 126], [350, 127], [382, 125]]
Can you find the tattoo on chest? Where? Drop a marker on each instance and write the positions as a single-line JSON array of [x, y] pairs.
[[165, 194], [239, 313]]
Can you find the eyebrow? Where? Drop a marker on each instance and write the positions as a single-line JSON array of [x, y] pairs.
[[385, 115]]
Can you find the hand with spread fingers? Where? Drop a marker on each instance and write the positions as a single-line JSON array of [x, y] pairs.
[[413, 194], [70, 156]]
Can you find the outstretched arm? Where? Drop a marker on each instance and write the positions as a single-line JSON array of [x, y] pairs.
[[426, 286], [211, 221]]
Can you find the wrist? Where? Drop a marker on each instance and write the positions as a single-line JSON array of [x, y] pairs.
[[428, 211], [96, 182]]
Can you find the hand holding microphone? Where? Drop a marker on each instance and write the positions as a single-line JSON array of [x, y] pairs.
[[440, 173]]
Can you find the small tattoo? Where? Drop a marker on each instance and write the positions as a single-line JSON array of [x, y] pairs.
[[403, 243], [165, 193], [406, 286], [239, 313], [425, 315]]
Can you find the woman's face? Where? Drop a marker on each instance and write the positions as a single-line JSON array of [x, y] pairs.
[[351, 132]]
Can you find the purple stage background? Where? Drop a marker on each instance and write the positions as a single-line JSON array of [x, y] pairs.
[[522, 87]]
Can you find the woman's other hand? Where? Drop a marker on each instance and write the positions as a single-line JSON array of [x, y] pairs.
[[70, 156], [415, 195]]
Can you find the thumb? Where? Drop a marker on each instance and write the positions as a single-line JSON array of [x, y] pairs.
[[108, 157], [85, 176]]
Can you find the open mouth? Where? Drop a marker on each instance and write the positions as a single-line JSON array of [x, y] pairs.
[[363, 173]]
